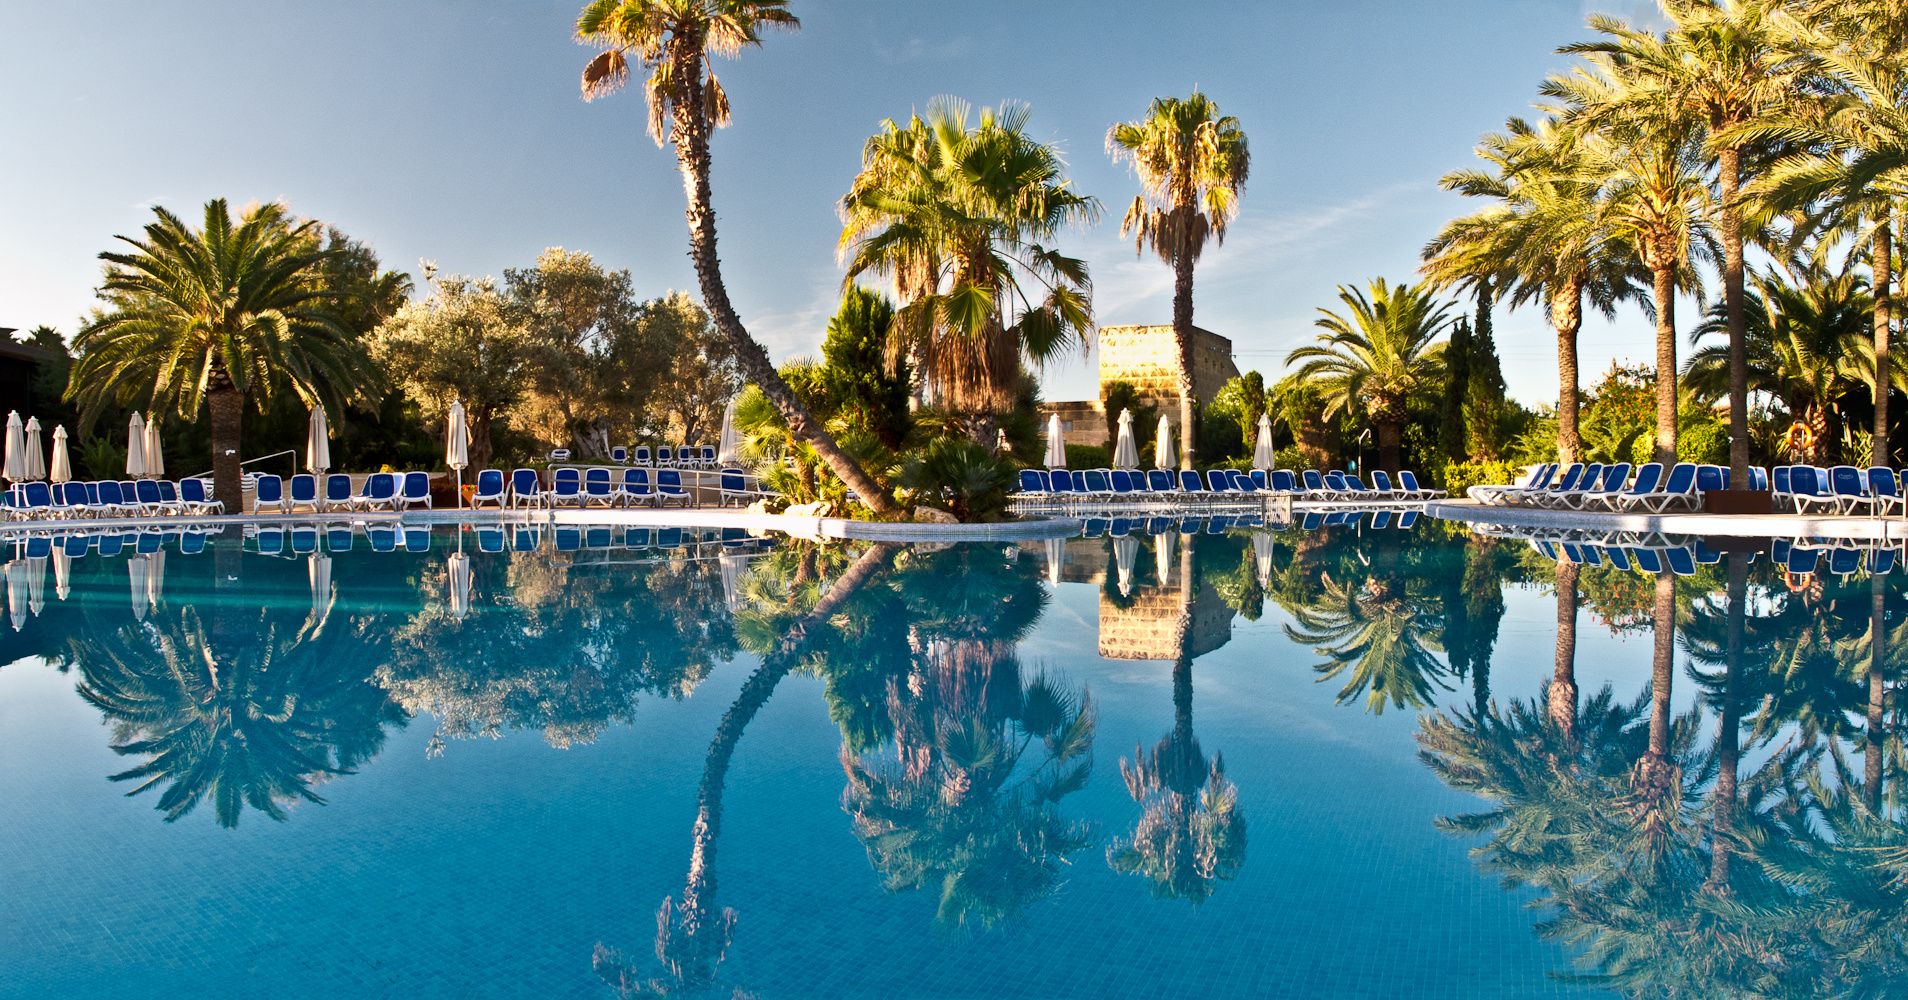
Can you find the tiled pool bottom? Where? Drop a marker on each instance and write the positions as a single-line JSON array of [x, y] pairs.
[[495, 868]]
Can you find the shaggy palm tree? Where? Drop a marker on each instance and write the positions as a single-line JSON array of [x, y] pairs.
[[1548, 239], [956, 215], [1377, 357], [1806, 343], [1855, 164], [214, 317], [674, 41], [1649, 163], [1723, 65], [1191, 163]]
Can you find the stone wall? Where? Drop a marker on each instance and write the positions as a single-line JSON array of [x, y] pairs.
[[1147, 357]]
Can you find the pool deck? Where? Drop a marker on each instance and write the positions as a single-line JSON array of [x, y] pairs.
[[683, 517], [1712, 525]]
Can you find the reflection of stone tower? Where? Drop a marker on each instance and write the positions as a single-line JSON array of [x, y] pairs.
[[1144, 631]]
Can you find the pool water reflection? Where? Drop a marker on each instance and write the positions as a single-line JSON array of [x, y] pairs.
[[1163, 758]]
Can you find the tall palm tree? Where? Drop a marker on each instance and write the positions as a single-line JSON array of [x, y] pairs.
[[1377, 357], [674, 41], [693, 936], [1548, 239], [1806, 344], [1191, 830], [955, 214], [1649, 163], [1191, 162], [217, 316], [1853, 164], [1723, 64]]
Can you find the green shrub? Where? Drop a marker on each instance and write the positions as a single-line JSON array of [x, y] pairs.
[[960, 477], [1087, 456], [1289, 457], [1459, 476]]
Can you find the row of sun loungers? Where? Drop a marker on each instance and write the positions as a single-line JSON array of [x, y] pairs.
[[1597, 487], [599, 487], [109, 498], [688, 456], [1099, 486], [1842, 489]]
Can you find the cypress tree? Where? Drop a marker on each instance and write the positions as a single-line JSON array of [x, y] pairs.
[[1452, 437], [1484, 399]]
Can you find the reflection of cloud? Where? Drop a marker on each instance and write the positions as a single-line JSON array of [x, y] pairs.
[[917, 50], [1641, 13]]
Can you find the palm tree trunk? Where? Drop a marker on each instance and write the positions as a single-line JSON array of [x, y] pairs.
[[1666, 365], [1882, 267], [1562, 696], [690, 133], [1728, 726], [1566, 316], [227, 406], [1391, 446], [699, 889], [1877, 690], [1730, 162], [1183, 339]]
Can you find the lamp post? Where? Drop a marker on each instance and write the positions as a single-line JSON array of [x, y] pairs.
[[1361, 449]]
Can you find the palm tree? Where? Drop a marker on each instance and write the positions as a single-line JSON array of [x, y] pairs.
[[674, 41], [1650, 167], [955, 214], [1377, 359], [216, 316], [250, 711], [1377, 632], [1191, 164], [1722, 64], [693, 936], [1805, 343], [1854, 164], [1548, 239]]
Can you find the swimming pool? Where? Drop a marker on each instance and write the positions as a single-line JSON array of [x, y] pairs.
[[1169, 759]]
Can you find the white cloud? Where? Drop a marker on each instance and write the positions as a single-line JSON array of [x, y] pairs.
[[919, 50]]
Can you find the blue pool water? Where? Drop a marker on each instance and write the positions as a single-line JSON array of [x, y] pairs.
[[927, 791]]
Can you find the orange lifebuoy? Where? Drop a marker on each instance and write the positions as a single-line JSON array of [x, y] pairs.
[[1799, 438]]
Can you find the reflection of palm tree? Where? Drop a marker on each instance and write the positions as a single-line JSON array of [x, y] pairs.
[[952, 813], [1376, 632], [1656, 781], [693, 936], [1191, 830], [251, 721]]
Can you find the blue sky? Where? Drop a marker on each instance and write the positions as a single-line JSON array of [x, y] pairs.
[[453, 131]]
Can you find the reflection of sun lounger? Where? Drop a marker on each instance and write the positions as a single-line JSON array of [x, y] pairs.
[[568, 539], [192, 543], [1682, 561], [383, 537], [490, 540], [526, 540], [417, 538], [338, 538]]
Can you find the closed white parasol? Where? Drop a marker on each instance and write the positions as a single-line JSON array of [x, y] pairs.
[[15, 466], [1056, 444], [1262, 452], [317, 443], [136, 446], [1125, 451], [729, 448], [155, 455], [1163, 556], [457, 446], [1125, 553], [35, 451], [1163, 454], [62, 463]]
